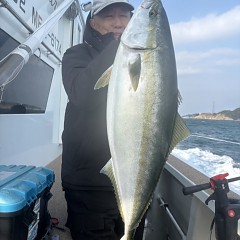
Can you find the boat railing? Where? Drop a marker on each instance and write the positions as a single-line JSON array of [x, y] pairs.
[[227, 210]]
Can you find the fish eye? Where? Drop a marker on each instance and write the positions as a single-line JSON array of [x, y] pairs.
[[152, 13]]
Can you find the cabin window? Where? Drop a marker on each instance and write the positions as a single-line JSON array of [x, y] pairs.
[[29, 91]]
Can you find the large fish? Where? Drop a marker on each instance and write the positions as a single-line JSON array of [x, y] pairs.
[[142, 110]]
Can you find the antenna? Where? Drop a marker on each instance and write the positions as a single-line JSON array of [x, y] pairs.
[[213, 108]]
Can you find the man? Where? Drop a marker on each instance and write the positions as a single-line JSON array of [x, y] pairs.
[[92, 208]]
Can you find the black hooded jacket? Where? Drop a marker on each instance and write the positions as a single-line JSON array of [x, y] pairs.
[[85, 143]]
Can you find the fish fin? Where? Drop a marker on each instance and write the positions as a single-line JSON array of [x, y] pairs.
[[180, 132], [108, 170], [179, 98], [104, 79], [134, 69]]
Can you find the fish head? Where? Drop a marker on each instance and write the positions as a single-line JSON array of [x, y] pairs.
[[143, 29]]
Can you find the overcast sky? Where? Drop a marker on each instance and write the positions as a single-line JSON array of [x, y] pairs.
[[206, 38]]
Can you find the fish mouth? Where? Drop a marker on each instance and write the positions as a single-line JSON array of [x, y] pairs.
[[139, 48]]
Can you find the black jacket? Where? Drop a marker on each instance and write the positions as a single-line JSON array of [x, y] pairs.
[[85, 143]]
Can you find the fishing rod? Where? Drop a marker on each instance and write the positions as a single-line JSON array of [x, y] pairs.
[[205, 186], [227, 211]]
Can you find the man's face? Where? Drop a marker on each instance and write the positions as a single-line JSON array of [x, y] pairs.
[[111, 19]]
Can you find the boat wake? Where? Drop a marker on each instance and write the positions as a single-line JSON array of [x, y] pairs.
[[210, 164], [214, 139]]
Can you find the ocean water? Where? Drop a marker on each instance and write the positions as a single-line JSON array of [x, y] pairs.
[[213, 148]]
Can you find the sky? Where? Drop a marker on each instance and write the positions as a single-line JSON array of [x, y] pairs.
[[206, 38]]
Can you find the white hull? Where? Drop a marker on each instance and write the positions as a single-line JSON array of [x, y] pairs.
[[35, 139]]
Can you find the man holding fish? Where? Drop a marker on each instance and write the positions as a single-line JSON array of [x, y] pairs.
[[143, 124], [92, 207]]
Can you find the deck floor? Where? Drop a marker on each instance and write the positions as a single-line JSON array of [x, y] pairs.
[[57, 204]]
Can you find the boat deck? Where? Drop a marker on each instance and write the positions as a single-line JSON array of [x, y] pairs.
[[57, 204]]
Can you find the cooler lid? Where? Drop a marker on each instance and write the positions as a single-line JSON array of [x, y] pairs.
[[21, 185]]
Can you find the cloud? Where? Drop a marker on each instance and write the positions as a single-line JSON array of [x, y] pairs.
[[211, 27], [210, 61]]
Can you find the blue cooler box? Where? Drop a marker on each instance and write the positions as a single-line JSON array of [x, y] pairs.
[[24, 195]]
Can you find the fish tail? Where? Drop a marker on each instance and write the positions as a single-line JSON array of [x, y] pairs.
[[124, 237], [128, 235]]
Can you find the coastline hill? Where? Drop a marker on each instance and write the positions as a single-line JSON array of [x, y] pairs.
[[223, 115]]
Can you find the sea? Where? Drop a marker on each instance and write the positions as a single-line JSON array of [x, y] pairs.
[[212, 148]]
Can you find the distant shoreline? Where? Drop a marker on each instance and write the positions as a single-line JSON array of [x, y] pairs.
[[214, 119], [223, 115]]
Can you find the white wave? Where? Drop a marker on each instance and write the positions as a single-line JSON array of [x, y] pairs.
[[215, 139], [210, 164]]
